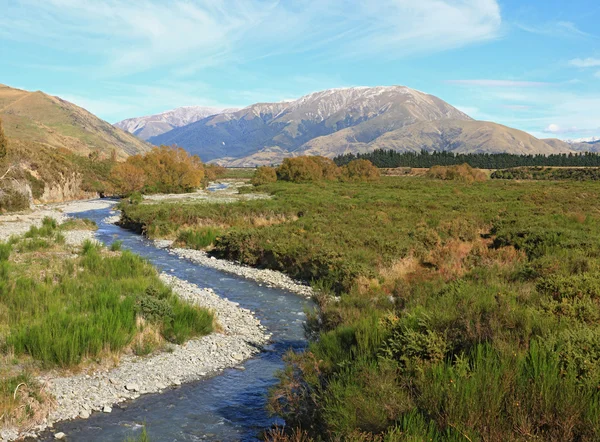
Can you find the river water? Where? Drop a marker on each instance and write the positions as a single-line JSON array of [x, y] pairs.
[[226, 407]]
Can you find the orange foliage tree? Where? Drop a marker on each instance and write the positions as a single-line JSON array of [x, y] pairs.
[[165, 169]]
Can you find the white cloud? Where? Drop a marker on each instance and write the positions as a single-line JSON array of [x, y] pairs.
[[589, 62], [499, 83], [554, 29], [128, 37], [556, 129]]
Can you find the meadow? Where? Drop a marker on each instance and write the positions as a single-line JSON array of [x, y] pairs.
[[70, 308], [448, 310]]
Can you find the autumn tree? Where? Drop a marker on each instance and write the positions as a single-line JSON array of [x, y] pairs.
[[164, 170], [127, 178]]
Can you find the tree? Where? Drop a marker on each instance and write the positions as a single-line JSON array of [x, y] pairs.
[[127, 178], [3, 143]]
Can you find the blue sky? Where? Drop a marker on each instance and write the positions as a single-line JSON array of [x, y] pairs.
[[530, 64]]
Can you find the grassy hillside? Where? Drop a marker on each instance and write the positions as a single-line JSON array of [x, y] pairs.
[[466, 312], [35, 117]]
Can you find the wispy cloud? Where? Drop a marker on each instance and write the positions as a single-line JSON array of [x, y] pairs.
[[135, 36], [589, 62], [555, 29], [499, 83]]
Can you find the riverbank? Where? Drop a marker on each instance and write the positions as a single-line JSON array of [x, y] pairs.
[[239, 337]]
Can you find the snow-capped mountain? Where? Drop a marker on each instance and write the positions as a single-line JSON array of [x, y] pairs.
[[338, 121], [152, 125]]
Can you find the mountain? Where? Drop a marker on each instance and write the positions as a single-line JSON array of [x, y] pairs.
[[348, 120], [586, 145], [153, 125], [35, 117]]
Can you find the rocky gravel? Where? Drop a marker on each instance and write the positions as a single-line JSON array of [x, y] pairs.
[[269, 278], [19, 223]]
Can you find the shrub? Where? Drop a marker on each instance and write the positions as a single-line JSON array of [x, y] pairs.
[[264, 175], [360, 170], [463, 172], [116, 246], [307, 168]]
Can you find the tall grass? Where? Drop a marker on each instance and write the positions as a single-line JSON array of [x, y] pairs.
[[82, 308]]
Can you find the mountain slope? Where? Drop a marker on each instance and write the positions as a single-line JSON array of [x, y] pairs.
[[289, 125], [350, 120], [35, 117], [153, 125]]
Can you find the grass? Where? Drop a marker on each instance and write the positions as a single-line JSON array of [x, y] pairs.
[[466, 311], [63, 311], [64, 308]]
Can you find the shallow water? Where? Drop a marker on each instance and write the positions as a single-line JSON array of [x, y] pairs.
[[226, 407]]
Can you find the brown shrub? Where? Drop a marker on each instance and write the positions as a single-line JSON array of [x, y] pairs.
[[360, 170], [306, 169], [264, 175], [462, 172]]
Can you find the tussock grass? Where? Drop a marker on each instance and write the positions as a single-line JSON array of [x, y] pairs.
[[62, 312]]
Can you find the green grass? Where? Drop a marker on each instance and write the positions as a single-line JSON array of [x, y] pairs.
[[62, 312], [467, 312], [198, 239]]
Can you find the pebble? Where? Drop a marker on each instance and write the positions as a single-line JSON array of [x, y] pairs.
[[59, 436]]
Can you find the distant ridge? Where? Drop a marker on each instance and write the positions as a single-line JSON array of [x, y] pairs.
[[153, 125]]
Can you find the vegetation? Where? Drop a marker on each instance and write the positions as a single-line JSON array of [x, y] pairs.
[[463, 172], [162, 170], [264, 175], [63, 311], [3, 143], [548, 173], [425, 159], [465, 311]]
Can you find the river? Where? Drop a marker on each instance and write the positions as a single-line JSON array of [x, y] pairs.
[[226, 407]]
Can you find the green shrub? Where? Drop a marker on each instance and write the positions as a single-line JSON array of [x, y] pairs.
[[116, 246]]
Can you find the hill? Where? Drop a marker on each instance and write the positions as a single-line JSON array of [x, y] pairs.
[[349, 120], [153, 125], [36, 117]]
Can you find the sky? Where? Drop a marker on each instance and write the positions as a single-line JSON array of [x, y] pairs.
[[529, 64]]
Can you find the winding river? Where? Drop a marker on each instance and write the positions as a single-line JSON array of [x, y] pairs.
[[229, 406]]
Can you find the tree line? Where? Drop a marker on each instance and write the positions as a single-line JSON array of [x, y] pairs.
[[424, 159]]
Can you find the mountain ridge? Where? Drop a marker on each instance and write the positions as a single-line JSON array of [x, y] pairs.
[[37, 117], [157, 124], [348, 120]]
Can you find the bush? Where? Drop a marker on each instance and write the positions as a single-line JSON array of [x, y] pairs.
[[463, 172], [264, 175], [360, 170], [308, 168]]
